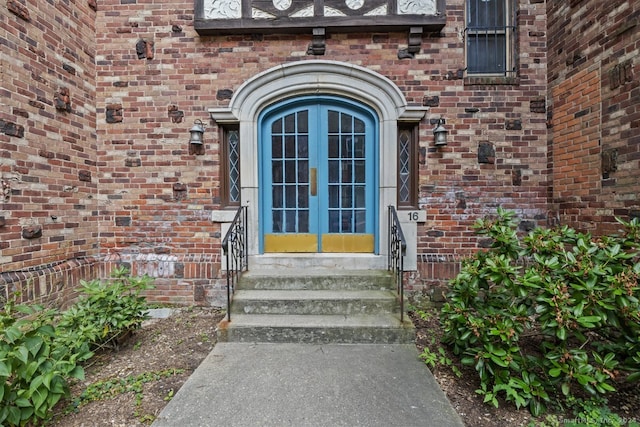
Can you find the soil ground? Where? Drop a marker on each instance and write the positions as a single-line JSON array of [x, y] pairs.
[[156, 360]]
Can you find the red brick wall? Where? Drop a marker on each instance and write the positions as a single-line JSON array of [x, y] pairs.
[[506, 119], [189, 73], [151, 197], [48, 203], [594, 80]]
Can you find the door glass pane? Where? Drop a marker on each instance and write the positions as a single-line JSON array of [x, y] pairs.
[[291, 196], [360, 171], [358, 147], [359, 191], [334, 147], [290, 146], [303, 196], [334, 171], [334, 124], [303, 171], [334, 221], [303, 121], [347, 222], [347, 171], [290, 123], [347, 197], [303, 146], [361, 221], [291, 221], [346, 123], [277, 221], [358, 126], [276, 127], [276, 194], [276, 147], [276, 171], [303, 221], [347, 147], [334, 196]]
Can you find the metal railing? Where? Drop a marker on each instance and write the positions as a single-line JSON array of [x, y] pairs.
[[234, 246], [396, 253]]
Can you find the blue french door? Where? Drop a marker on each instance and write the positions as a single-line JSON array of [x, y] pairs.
[[318, 177]]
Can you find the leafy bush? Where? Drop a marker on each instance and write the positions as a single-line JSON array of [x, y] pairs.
[[106, 310], [34, 367], [555, 310], [42, 349]]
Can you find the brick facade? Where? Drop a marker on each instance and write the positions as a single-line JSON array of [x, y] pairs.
[[48, 160], [95, 133], [594, 81]]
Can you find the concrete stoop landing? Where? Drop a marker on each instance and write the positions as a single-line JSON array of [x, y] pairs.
[[316, 305]]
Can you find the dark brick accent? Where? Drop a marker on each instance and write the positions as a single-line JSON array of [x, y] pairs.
[[84, 175], [609, 162], [144, 49], [486, 153], [538, 105], [132, 162], [18, 9], [175, 115], [12, 129], [32, 232], [62, 100], [224, 94], [69, 69], [123, 221], [516, 177], [114, 113], [513, 124], [431, 101]]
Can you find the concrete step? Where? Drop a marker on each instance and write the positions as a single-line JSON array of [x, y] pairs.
[[316, 305], [316, 279], [346, 302], [317, 329], [325, 261]]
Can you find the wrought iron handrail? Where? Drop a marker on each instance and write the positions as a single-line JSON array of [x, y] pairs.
[[397, 251], [234, 246]]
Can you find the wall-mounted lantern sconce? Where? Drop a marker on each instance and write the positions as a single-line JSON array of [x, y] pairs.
[[196, 133], [440, 134], [196, 145]]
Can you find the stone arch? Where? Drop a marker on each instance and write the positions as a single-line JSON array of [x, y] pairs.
[[317, 77]]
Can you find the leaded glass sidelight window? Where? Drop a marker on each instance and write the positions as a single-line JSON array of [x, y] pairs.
[[407, 166], [230, 166]]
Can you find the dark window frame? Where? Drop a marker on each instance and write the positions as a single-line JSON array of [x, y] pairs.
[[408, 167], [227, 198], [488, 36]]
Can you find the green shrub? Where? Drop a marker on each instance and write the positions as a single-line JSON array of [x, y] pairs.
[[556, 310], [42, 349], [105, 310], [34, 367]]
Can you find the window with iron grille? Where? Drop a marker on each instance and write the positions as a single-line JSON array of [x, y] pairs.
[[230, 170], [407, 166], [490, 37]]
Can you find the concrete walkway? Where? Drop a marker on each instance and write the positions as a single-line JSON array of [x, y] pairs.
[[309, 385]]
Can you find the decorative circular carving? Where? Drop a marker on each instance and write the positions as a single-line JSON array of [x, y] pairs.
[[354, 4], [282, 4]]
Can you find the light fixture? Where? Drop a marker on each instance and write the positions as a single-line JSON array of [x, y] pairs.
[[440, 133], [196, 133]]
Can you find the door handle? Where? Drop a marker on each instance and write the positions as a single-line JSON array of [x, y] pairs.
[[313, 177]]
